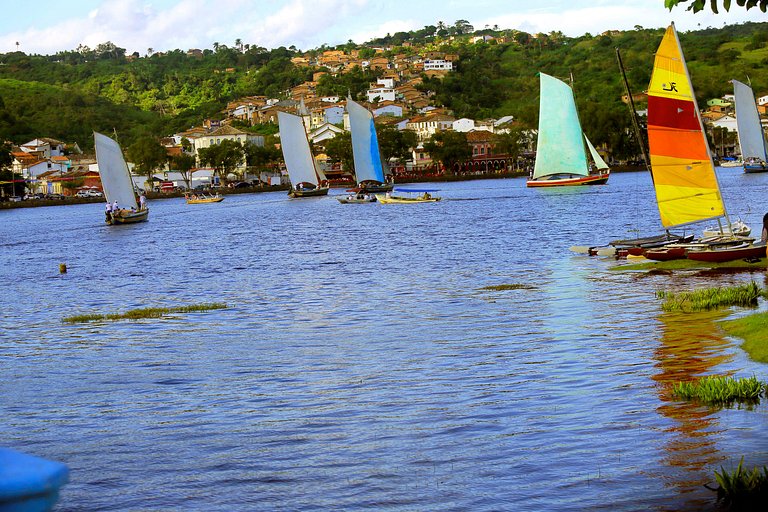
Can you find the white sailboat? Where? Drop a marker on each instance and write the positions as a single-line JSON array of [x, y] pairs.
[[561, 158], [365, 149], [117, 183], [306, 178], [754, 153]]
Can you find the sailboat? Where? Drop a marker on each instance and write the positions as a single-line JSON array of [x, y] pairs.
[[754, 154], [306, 178], [117, 183], [561, 157], [365, 149], [687, 189]]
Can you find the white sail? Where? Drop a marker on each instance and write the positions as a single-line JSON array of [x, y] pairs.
[[296, 152], [365, 144], [751, 138], [115, 176], [599, 162]]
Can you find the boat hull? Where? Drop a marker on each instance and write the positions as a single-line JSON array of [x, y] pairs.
[[405, 200], [593, 179], [665, 253], [315, 192], [755, 168], [127, 217], [728, 253], [205, 200]]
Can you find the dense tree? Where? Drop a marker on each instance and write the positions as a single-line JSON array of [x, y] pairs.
[[148, 155], [264, 156], [449, 148], [184, 163], [395, 144], [699, 5], [339, 149], [224, 157]]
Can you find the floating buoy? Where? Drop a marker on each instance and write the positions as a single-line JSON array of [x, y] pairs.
[[62, 268]]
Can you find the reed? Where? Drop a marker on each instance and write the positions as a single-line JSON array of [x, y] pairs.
[[686, 264], [716, 390], [742, 488], [711, 298], [502, 287], [136, 314]]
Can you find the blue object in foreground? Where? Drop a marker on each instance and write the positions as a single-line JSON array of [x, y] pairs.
[[28, 483]]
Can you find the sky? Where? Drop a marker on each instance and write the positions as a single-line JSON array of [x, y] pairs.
[[49, 26]]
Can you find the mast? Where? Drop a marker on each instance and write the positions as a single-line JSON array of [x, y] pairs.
[[633, 114]]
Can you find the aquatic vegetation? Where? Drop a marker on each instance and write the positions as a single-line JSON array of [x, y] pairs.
[[711, 298], [502, 287], [717, 390], [136, 314], [753, 329], [742, 488]]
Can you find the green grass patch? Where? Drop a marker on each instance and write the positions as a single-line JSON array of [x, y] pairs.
[[686, 264], [136, 314], [753, 329], [716, 390], [711, 298], [742, 488], [502, 287]]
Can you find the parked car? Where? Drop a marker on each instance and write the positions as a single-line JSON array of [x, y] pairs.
[[15, 199]]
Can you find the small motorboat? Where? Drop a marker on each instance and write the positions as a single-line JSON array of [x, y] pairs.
[[412, 196], [202, 198], [357, 198], [738, 228]]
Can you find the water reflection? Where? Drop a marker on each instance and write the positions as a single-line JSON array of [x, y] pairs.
[[691, 346]]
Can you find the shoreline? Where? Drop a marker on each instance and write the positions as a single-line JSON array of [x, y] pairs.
[[401, 180]]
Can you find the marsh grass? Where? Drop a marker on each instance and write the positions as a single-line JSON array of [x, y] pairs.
[[502, 287], [136, 314], [686, 264], [715, 390], [743, 488], [711, 298], [753, 329]]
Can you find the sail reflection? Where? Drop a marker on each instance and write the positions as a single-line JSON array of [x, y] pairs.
[[691, 346]]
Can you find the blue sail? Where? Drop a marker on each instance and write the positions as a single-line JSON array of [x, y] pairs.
[[365, 144], [560, 148]]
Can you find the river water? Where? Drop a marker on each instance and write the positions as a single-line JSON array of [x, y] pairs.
[[360, 363]]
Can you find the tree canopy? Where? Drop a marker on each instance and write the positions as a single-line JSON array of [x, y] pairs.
[[699, 5]]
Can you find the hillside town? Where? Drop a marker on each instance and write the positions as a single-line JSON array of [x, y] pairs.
[[48, 167]]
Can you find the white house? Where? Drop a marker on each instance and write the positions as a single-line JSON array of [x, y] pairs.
[[762, 100], [426, 126], [388, 83], [388, 109], [438, 65], [727, 121], [324, 132], [380, 94], [463, 125]]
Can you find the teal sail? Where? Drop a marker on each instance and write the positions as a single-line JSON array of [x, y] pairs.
[[365, 144], [750, 130], [560, 148]]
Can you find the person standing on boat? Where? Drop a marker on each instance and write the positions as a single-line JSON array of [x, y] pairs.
[[108, 211], [142, 202], [115, 208]]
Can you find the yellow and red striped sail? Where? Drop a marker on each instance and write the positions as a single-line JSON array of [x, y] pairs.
[[683, 172]]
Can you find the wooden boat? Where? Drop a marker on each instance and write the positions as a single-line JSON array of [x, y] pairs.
[[719, 254], [203, 199], [561, 154], [117, 183], [306, 179], [359, 198], [369, 171], [414, 196], [754, 151]]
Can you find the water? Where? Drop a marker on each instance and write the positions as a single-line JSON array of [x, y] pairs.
[[360, 364]]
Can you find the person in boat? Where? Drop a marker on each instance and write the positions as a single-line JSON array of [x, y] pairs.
[[115, 208], [764, 235], [427, 196], [142, 202], [108, 211]]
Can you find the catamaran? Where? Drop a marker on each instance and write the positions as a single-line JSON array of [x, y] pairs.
[[365, 149], [306, 179], [687, 189], [754, 153], [117, 183], [561, 157]]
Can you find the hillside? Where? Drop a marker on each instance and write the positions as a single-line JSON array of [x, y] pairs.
[[68, 95]]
